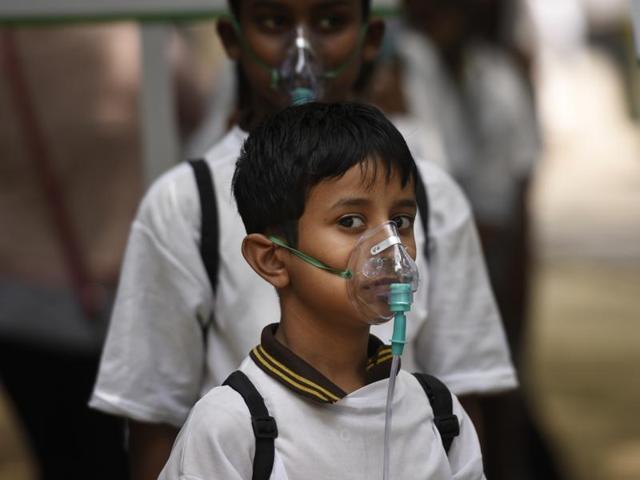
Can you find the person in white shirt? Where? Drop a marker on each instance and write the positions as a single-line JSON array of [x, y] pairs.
[[342, 171]]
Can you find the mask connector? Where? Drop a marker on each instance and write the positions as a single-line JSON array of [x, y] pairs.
[[400, 299], [302, 95]]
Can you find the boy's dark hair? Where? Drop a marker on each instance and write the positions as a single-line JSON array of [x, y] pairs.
[[234, 5], [300, 146]]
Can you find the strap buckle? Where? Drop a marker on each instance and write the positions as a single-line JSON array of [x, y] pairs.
[[264, 427]]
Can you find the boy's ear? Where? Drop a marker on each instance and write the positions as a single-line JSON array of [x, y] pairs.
[[265, 258], [373, 39], [229, 37]]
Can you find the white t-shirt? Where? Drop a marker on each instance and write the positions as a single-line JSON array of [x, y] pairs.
[[166, 347], [323, 441]]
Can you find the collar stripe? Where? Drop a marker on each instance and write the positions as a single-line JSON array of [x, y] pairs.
[[382, 355], [300, 378], [287, 379], [383, 358]]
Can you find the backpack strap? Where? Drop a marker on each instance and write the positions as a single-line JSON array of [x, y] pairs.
[[423, 207], [440, 398], [209, 222], [264, 425]]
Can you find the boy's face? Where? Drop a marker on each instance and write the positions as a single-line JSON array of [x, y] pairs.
[[337, 213], [268, 27]]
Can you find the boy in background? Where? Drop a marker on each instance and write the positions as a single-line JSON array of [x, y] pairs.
[[175, 333]]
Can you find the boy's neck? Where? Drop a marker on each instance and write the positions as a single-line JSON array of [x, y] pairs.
[[254, 113], [339, 353], [248, 120]]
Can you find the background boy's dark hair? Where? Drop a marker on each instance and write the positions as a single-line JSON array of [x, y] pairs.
[[300, 146], [234, 6]]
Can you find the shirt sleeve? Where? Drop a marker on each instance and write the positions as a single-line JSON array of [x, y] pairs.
[[462, 341], [216, 442], [153, 357], [465, 457]]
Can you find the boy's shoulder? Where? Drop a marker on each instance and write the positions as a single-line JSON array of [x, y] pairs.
[[215, 441], [175, 191], [437, 180], [220, 416], [221, 409], [448, 205], [227, 149], [223, 396]]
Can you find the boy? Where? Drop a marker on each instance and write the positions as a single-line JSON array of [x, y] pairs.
[[174, 334], [341, 170]]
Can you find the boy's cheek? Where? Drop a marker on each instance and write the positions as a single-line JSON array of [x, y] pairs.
[[321, 293], [268, 48]]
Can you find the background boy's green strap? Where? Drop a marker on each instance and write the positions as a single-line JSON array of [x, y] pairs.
[[346, 274], [273, 72], [356, 51]]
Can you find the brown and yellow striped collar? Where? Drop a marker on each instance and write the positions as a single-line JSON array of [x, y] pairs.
[[293, 372]]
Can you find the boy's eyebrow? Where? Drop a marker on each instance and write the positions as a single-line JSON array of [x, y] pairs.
[[406, 203], [351, 202], [361, 201], [268, 4], [331, 3], [319, 6]]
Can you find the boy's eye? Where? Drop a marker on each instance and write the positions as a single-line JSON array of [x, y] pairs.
[[330, 23], [273, 23], [351, 221], [403, 221]]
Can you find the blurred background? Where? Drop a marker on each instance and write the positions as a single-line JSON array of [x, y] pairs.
[[532, 105]]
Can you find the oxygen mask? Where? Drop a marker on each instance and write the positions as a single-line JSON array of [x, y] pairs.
[[300, 74], [378, 261]]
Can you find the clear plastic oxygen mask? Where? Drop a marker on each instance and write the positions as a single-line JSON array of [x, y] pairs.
[[300, 74], [379, 261]]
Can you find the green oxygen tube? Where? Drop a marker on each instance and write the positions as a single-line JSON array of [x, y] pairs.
[[400, 299]]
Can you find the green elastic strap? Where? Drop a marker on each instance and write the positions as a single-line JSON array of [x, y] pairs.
[[346, 274], [336, 72], [273, 72]]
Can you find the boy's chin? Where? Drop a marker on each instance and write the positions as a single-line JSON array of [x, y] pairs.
[[378, 318]]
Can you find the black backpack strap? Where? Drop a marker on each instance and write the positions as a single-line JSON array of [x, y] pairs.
[[264, 425], [422, 200], [440, 398], [209, 223]]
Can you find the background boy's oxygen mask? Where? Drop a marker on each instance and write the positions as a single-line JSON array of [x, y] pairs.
[[379, 260], [300, 74]]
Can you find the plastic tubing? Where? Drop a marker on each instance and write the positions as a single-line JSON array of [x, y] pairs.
[[400, 298], [395, 364]]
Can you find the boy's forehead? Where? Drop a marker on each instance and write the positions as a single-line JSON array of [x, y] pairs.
[[369, 178]]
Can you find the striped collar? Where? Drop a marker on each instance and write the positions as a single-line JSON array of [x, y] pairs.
[[286, 367]]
